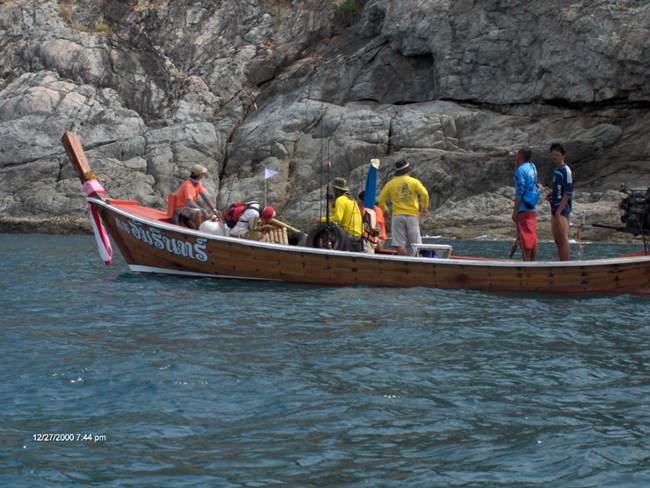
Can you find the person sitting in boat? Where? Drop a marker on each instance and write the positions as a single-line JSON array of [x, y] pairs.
[[245, 221], [374, 224], [347, 214], [187, 210], [246, 224]]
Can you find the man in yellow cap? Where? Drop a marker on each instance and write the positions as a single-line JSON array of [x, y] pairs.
[[187, 209]]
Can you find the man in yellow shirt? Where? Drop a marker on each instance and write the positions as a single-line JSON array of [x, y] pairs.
[[403, 192], [347, 213]]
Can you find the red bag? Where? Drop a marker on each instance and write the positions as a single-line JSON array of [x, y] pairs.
[[232, 214]]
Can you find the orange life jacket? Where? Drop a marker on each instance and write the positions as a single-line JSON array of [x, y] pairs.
[[371, 230]]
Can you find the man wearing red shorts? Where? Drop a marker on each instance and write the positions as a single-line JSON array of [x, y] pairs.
[[525, 216]]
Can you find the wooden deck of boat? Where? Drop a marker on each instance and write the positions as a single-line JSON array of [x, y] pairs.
[[136, 208]]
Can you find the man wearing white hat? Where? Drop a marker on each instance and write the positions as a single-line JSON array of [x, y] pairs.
[[187, 197], [403, 192]]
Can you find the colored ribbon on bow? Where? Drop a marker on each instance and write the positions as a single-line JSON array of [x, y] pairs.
[[93, 188]]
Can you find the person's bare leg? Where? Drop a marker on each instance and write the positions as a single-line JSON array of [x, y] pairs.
[[563, 247], [198, 219], [560, 228]]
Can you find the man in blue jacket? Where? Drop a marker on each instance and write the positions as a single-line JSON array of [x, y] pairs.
[[524, 215]]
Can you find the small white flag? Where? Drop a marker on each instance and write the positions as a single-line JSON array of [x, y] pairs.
[[268, 173]]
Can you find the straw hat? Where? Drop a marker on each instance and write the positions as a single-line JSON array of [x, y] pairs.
[[340, 184], [199, 170]]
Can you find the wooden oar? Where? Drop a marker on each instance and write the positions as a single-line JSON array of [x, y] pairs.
[[514, 248]]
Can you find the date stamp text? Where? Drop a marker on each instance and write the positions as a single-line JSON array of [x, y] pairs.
[[68, 437]]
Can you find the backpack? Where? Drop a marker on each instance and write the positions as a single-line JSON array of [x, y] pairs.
[[232, 214]]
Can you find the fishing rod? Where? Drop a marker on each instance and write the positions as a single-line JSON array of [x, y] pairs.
[[320, 199]]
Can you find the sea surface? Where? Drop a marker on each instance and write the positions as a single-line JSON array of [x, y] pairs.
[[116, 379]]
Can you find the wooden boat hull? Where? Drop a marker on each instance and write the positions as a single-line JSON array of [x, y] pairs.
[[149, 243], [153, 246]]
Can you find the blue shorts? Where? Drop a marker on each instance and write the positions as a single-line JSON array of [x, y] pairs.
[[565, 213]]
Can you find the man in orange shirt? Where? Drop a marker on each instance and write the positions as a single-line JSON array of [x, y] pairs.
[[187, 209]]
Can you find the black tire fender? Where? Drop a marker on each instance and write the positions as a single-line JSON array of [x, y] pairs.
[[297, 238], [337, 236]]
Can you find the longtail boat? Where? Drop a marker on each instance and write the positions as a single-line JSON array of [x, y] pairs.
[[151, 243]]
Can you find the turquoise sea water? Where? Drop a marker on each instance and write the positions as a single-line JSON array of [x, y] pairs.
[[118, 379]]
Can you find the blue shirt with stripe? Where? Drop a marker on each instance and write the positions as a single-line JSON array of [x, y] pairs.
[[562, 185]]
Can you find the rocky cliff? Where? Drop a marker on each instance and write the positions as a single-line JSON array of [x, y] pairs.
[[152, 87]]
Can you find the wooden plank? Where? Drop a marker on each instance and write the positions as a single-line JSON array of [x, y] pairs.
[[77, 156]]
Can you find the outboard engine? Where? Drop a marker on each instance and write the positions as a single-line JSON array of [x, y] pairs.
[[635, 210]]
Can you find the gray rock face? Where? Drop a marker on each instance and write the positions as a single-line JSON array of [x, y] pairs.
[[314, 91]]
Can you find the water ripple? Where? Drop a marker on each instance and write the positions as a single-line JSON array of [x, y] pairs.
[[194, 382]]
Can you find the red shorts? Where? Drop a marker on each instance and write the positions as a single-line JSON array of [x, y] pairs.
[[527, 229]]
